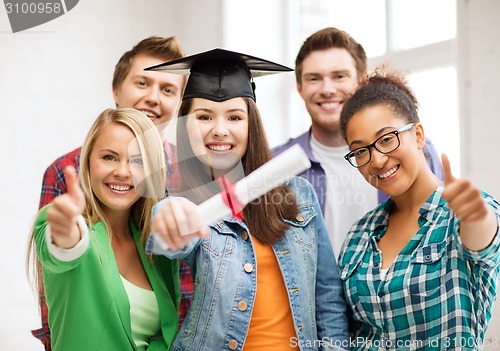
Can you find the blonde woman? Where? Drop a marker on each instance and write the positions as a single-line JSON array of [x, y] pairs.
[[102, 289]]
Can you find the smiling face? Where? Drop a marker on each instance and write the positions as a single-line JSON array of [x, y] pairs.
[[218, 131], [328, 79], [393, 173], [157, 94], [115, 165]]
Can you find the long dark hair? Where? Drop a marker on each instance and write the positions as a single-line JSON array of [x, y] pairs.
[[264, 216]]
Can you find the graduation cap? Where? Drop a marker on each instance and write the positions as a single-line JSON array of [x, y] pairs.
[[219, 74]]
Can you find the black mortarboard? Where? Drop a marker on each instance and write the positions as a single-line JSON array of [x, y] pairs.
[[219, 74]]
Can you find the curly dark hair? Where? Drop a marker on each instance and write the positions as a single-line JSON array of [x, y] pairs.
[[382, 87]]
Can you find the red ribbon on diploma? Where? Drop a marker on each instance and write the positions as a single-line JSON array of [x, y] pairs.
[[230, 198]]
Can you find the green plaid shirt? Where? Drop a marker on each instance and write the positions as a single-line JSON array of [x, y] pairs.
[[437, 295]]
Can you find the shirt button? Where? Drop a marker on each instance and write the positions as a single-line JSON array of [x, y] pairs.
[[299, 218], [244, 235], [375, 265], [232, 344], [248, 267], [381, 294], [242, 306]]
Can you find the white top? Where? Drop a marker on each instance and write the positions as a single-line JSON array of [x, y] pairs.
[[348, 195], [144, 314], [68, 255]]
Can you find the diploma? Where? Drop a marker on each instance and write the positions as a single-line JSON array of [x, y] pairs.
[[270, 175]]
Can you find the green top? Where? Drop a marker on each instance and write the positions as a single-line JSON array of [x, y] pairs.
[[144, 313], [88, 305]]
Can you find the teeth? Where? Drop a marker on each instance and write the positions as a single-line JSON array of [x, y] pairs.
[[329, 105], [219, 147], [120, 187], [388, 173], [149, 114]]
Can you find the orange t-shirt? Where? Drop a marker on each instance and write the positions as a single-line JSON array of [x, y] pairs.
[[271, 325]]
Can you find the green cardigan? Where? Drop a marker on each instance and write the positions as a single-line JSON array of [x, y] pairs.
[[88, 305]]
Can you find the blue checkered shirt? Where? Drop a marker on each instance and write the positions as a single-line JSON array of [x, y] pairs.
[[437, 295]]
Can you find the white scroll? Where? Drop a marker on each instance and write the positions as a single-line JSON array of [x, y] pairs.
[[272, 174], [267, 177]]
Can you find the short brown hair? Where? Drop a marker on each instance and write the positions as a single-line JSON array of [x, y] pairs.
[[165, 48], [328, 38]]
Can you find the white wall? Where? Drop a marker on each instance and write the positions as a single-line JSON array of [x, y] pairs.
[[263, 30], [479, 85], [479, 80]]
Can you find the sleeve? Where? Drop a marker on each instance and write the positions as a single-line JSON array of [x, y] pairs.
[[433, 159], [488, 256], [75, 252], [156, 247], [44, 254], [331, 308], [53, 184]]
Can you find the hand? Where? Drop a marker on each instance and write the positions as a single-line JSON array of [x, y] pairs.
[[177, 223], [463, 198], [65, 209]]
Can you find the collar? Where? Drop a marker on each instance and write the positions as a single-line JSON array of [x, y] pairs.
[[305, 141], [228, 225], [428, 212]]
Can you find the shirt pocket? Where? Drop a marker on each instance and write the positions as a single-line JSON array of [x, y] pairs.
[[303, 231], [348, 275], [425, 270], [221, 242]]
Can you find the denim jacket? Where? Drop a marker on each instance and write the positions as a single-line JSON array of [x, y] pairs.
[[224, 273]]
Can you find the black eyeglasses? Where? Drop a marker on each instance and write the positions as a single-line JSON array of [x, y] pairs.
[[384, 144]]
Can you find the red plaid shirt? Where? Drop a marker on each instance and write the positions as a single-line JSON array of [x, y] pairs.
[[54, 185]]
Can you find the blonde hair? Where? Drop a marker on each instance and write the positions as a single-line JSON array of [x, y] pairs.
[[154, 183], [153, 157]]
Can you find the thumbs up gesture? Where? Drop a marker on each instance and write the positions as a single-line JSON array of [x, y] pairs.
[[479, 223], [62, 215], [463, 198]]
